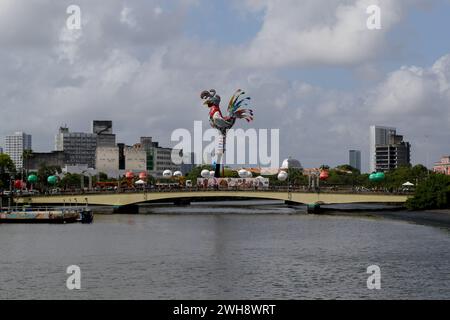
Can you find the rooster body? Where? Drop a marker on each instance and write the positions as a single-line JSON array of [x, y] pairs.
[[221, 123], [235, 110]]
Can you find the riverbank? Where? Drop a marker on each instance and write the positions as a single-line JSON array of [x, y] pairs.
[[435, 218]]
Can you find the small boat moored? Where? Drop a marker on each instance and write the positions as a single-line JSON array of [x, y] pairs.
[[46, 215]]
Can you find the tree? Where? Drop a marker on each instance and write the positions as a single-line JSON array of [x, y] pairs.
[[44, 172], [229, 173], [70, 180], [26, 155], [195, 173], [432, 193], [7, 168], [296, 177], [103, 176]]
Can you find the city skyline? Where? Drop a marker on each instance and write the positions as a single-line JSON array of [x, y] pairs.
[[121, 67], [68, 142]]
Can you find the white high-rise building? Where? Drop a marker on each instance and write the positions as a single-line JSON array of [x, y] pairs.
[[388, 150], [378, 136], [15, 145]]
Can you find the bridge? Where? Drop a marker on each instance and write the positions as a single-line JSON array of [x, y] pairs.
[[184, 197]]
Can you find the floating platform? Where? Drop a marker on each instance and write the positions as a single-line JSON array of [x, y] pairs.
[[32, 215]]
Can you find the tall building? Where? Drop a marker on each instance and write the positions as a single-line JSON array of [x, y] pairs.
[[162, 160], [388, 150], [355, 159], [79, 146], [378, 136], [158, 158], [103, 130], [15, 145]]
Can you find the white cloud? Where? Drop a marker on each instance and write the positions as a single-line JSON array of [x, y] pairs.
[[126, 17], [321, 32], [414, 91]]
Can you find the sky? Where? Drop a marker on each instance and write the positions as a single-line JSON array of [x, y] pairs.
[[312, 67]]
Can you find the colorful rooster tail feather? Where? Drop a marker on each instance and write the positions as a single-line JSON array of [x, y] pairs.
[[236, 104]]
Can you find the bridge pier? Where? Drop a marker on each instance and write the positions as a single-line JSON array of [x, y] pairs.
[[128, 209], [182, 202], [313, 208], [291, 203]]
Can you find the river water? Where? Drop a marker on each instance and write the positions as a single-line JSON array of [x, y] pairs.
[[225, 251]]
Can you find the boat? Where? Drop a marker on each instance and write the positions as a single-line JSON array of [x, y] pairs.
[[46, 215]]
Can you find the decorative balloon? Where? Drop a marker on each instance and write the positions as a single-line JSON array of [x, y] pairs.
[[212, 174], [177, 174], [244, 173], [143, 175], [221, 123], [167, 173], [324, 175], [282, 176], [380, 176], [52, 180], [18, 184], [377, 177], [129, 175], [32, 178], [205, 174]]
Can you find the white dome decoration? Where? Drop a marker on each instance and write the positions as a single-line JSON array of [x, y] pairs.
[[245, 173], [167, 173], [205, 174], [177, 174], [282, 176], [291, 163], [212, 173]]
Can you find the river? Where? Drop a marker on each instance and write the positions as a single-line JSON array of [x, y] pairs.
[[252, 250]]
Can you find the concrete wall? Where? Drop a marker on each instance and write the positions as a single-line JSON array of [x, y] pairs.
[[135, 159], [107, 160]]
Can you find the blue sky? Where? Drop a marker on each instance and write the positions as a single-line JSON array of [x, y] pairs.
[[223, 22]]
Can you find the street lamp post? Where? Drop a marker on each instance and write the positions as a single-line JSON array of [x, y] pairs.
[[11, 178], [289, 184], [82, 180]]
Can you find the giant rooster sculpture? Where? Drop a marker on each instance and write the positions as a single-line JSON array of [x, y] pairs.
[[221, 123]]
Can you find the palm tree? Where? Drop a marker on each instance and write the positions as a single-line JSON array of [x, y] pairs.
[[26, 155]]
